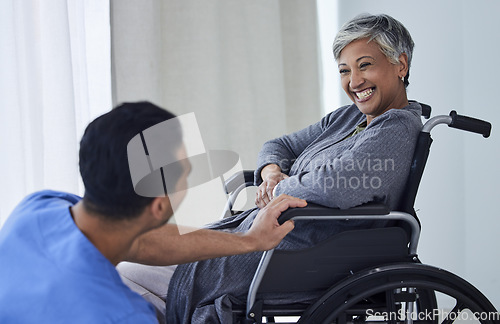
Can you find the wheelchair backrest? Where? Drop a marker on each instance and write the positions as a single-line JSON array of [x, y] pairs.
[[419, 161]]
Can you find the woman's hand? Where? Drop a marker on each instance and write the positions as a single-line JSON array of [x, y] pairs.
[[271, 176]]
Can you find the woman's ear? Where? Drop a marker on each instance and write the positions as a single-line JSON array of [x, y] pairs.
[[403, 65]]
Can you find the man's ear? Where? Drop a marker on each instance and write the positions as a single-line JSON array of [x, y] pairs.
[[161, 208]]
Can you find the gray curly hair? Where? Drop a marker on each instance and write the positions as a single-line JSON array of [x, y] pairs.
[[391, 36]]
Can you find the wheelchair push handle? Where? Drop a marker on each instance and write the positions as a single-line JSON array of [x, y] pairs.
[[470, 124]]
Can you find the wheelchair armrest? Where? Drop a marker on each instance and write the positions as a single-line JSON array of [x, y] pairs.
[[237, 179], [318, 211], [368, 211]]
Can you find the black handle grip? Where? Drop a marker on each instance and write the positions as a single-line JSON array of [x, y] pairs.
[[426, 110], [470, 124]]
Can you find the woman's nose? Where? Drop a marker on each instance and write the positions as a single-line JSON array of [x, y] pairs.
[[356, 80]]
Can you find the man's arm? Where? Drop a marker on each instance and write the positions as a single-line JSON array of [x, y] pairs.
[[164, 246]]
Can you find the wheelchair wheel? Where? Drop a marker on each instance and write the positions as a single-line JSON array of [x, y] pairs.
[[400, 293]]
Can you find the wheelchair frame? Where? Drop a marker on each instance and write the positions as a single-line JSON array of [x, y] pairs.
[[386, 278]]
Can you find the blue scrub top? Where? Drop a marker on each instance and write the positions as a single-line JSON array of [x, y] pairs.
[[51, 273]]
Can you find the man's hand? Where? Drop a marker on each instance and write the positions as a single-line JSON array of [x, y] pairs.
[[271, 176], [266, 232]]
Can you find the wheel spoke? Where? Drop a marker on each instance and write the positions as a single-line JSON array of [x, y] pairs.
[[391, 304], [459, 306]]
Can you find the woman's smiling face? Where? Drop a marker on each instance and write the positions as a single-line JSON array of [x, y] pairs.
[[370, 80]]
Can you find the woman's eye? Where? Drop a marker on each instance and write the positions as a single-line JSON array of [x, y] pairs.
[[344, 71], [364, 65]]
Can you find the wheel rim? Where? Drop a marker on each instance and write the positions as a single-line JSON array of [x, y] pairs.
[[425, 279]]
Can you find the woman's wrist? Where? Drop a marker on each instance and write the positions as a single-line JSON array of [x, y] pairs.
[[268, 170]]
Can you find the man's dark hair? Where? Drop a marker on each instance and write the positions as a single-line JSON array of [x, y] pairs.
[[104, 165]]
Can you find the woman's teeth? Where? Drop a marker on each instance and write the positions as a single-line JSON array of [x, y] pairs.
[[364, 94]]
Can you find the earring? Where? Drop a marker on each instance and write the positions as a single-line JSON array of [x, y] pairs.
[[403, 78]]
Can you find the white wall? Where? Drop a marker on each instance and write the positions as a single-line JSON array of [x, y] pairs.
[[481, 50], [454, 68], [329, 24]]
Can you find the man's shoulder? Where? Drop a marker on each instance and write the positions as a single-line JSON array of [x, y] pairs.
[[37, 204], [50, 196]]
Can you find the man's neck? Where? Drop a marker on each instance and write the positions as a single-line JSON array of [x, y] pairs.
[[112, 238]]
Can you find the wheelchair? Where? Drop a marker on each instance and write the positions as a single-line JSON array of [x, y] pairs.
[[366, 275]]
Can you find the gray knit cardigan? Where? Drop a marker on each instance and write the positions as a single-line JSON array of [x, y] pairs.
[[326, 166]]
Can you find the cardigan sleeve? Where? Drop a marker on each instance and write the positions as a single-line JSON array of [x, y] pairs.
[[374, 167], [285, 149]]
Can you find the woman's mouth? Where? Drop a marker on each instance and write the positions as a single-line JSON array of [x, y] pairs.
[[365, 94]]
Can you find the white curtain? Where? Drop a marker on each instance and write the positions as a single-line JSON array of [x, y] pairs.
[[248, 69], [55, 77]]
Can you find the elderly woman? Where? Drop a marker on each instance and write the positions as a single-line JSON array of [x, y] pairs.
[[356, 154], [360, 152]]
